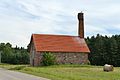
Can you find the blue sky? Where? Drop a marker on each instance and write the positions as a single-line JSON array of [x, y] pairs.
[[21, 18]]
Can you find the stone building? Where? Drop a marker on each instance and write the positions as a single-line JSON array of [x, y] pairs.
[[67, 49]]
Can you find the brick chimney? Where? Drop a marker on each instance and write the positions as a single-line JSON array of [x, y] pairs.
[[81, 25]]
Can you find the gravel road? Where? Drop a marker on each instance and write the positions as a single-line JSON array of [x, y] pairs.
[[13, 75]]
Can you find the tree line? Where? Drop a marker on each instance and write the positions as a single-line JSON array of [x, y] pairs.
[[17, 55], [104, 50]]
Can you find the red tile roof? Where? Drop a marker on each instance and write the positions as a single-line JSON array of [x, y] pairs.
[[59, 43]]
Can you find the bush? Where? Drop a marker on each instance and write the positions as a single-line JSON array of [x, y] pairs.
[[48, 59]]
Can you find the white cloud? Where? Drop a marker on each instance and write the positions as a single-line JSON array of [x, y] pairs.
[[20, 18]]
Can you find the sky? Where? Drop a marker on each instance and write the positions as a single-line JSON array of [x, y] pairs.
[[19, 19]]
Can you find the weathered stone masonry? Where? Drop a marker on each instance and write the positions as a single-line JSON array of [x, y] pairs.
[[64, 58]]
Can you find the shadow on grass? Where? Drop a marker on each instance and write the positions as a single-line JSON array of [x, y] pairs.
[[17, 68]]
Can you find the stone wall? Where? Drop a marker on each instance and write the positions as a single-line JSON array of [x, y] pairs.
[[64, 58]]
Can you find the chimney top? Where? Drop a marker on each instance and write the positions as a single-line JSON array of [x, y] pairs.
[[80, 16]]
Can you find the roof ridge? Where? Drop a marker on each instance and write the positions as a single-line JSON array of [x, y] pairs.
[[56, 35]]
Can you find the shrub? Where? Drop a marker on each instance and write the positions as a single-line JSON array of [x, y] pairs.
[[48, 59]]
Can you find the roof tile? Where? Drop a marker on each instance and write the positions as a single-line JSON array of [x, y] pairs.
[[59, 43]]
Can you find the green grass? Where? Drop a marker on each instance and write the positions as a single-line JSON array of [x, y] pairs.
[[68, 72]]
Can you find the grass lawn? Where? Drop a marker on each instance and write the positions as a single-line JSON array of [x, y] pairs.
[[68, 72]]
